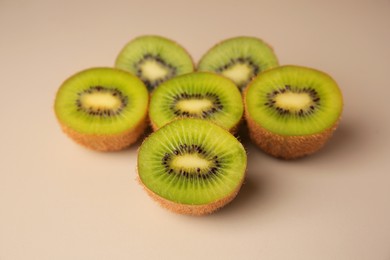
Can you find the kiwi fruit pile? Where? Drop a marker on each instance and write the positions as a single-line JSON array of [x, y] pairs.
[[192, 163]]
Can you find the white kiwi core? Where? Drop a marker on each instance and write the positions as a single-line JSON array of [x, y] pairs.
[[239, 73], [293, 101], [190, 161], [153, 70], [100, 101], [194, 105]]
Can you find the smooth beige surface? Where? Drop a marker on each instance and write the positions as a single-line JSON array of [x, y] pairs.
[[61, 201]]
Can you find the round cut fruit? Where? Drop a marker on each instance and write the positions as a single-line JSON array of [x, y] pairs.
[[192, 166], [239, 58], [197, 95], [102, 108], [292, 111], [154, 59]]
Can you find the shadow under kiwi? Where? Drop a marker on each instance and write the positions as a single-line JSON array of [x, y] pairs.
[[345, 142], [251, 194], [133, 148], [242, 133]]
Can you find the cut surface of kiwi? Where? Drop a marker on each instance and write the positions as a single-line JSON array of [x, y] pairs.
[[154, 59], [192, 166], [239, 58], [292, 111], [197, 95], [102, 108]]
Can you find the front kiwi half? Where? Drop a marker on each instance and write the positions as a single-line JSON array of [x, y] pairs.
[[292, 111], [102, 108], [202, 95], [239, 58], [154, 59], [192, 166]]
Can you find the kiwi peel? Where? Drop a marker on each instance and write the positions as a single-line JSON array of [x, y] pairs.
[[194, 210], [103, 109], [154, 59], [191, 166], [292, 111], [203, 95], [288, 147], [239, 58]]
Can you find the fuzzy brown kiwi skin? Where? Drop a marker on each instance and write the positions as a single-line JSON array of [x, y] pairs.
[[282, 146], [193, 210], [107, 143], [287, 147]]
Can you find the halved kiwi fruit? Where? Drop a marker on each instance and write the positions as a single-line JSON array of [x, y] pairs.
[[192, 166], [102, 108], [239, 58], [202, 95], [154, 59], [292, 111]]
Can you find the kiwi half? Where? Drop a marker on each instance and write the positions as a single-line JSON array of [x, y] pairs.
[[239, 58], [202, 95], [102, 108], [192, 166], [292, 111], [154, 59]]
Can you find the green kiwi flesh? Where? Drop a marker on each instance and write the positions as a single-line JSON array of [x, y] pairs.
[[239, 58], [292, 111], [198, 95], [192, 166], [102, 108], [154, 59]]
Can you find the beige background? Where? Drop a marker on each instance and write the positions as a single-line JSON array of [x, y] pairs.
[[61, 201]]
